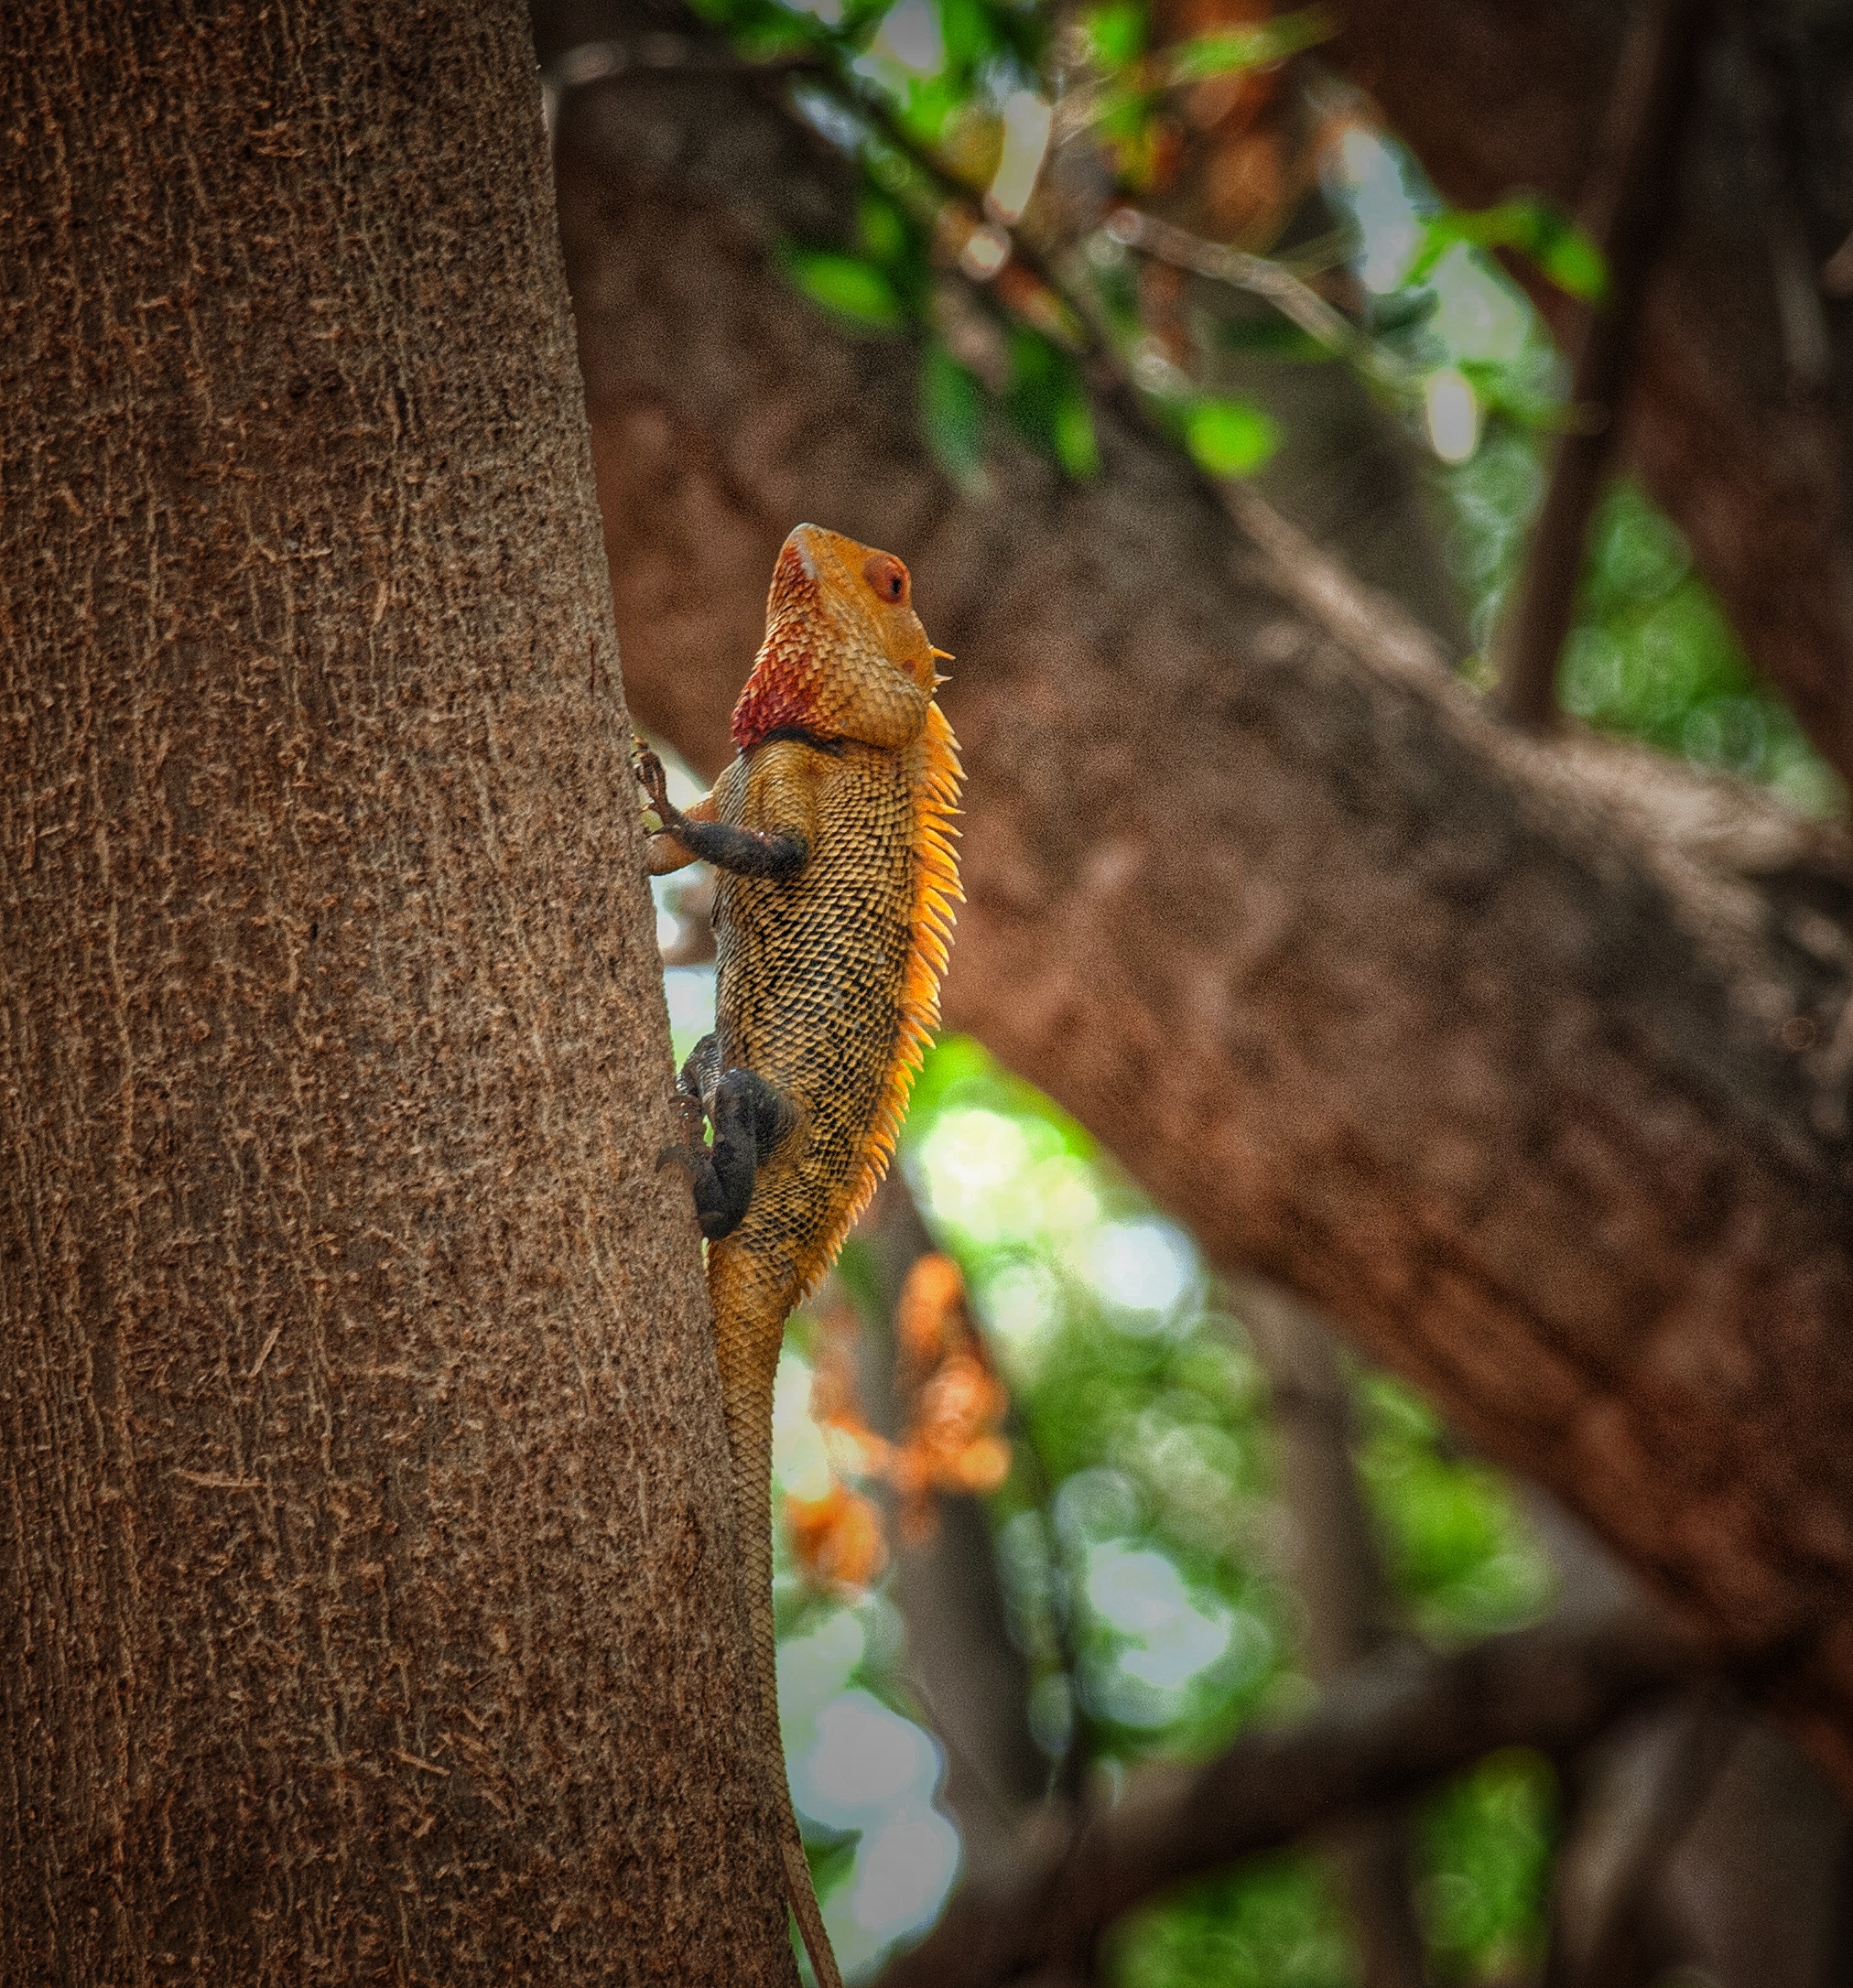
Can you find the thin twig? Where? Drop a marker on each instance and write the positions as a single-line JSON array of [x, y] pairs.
[[1295, 299]]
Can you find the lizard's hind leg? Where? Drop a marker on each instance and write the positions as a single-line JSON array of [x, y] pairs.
[[750, 1117]]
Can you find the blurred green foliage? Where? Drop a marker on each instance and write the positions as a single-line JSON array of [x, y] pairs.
[[1230, 437], [1539, 230], [1485, 1847], [1452, 1537], [1137, 1539], [1276, 1924], [1654, 657]]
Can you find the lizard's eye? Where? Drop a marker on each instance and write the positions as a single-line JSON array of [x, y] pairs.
[[888, 576]]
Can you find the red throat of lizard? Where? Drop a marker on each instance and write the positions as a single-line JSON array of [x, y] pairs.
[[782, 693]]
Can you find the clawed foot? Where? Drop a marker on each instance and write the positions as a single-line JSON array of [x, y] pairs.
[[691, 1151], [718, 1212], [654, 780]]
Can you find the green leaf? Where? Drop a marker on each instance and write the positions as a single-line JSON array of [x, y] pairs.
[[1573, 263], [776, 40], [1233, 49], [952, 413], [1534, 228], [846, 284], [1048, 402], [1116, 33], [1230, 437], [1077, 448], [883, 228], [966, 33]]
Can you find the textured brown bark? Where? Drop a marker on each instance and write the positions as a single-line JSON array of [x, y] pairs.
[[1738, 417], [1478, 1044], [367, 1604]]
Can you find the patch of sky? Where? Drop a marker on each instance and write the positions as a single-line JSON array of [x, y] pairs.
[[859, 1769], [799, 1461], [909, 43], [1142, 1595], [1479, 313], [990, 1177], [1369, 176], [815, 1668], [1451, 408], [903, 1869], [866, 1769], [1145, 1268], [689, 991], [1022, 1306], [828, 115], [1466, 328], [864, 1761], [1167, 1642]]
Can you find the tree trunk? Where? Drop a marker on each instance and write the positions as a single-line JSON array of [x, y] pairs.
[[1519, 1060], [367, 1604]]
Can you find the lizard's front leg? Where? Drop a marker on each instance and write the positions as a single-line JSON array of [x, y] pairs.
[[747, 852]]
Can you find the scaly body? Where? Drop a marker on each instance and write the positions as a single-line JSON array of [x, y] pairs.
[[831, 834]]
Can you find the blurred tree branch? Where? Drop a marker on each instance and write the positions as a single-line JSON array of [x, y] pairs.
[[1625, 210], [1386, 1732], [1520, 1059], [1749, 452]]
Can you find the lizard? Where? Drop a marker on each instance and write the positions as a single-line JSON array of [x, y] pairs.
[[831, 834]]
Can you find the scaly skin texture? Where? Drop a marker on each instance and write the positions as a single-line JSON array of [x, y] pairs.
[[830, 834]]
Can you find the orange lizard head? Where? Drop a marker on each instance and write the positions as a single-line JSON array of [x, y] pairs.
[[844, 655]]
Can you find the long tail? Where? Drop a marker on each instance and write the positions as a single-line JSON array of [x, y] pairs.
[[749, 1324]]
